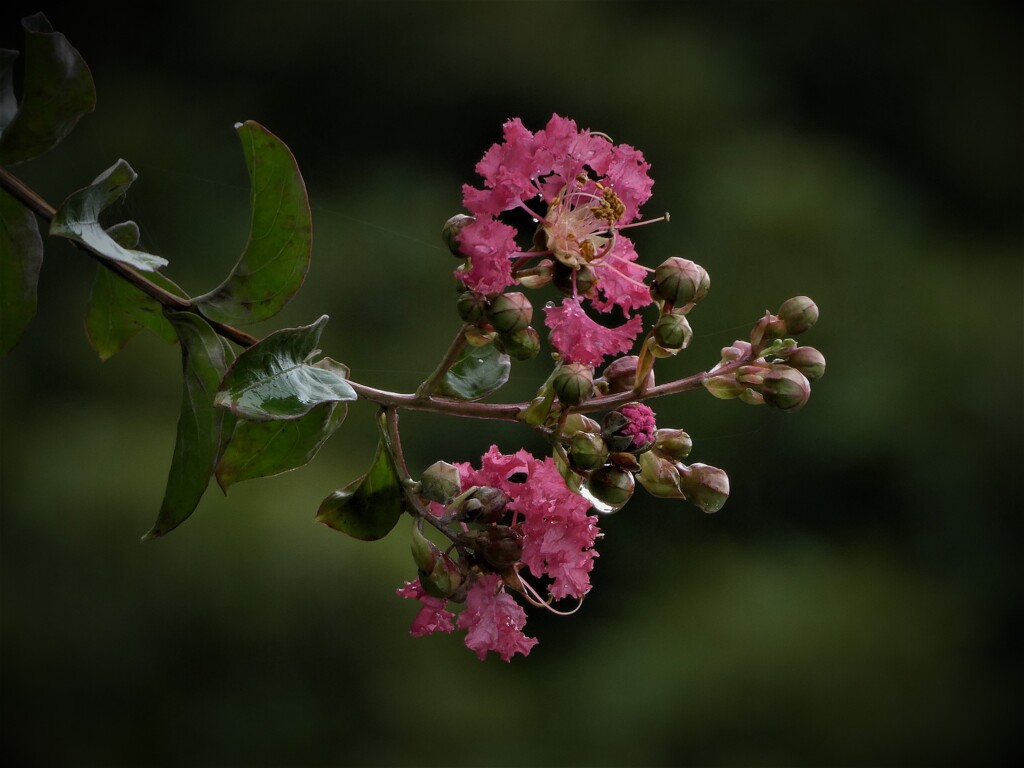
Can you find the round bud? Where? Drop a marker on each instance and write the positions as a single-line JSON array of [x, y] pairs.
[[673, 331], [680, 281], [798, 314], [523, 344], [472, 306], [485, 505], [621, 374], [705, 486], [450, 232], [659, 476], [672, 444], [611, 486], [573, 383], [724, 387], [510, 312], [785, 388], [440, 482], [809, 361], [579, 422], [586, 279], [587, 451]]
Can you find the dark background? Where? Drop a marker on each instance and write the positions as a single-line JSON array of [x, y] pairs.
[[857, 601]]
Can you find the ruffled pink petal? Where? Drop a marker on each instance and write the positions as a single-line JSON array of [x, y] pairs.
[[432, 616], [582, 340], [490, 245], [494, 621], [620, 280]]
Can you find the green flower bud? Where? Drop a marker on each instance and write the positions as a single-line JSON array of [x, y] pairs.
[[751, 397], [573, 383], [424, 552], [705, 486], [612, 430], [809, 361], [440, 482], [523, 344], [450, 232], [587, 451], [472, 306], [510, 312], [724, 387], [673, 331], [659, 476], [621, 374], [579, 422], [680, 281], [586, 279], [785, 388], [611, 486], [485, 505], [798, 314], [444, 579], [672, 444]]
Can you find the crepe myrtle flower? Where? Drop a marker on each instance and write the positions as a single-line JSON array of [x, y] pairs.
[[582, 190]]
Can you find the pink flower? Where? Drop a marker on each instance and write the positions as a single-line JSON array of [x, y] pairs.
[[490, 245], [641, 426], [558, 535], [620, 280], [582, 340], [433, 615], [494, 621]]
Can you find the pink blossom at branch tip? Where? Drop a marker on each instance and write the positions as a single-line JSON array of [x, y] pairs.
[[641, 424], [489, 244], [432, 616], [582, 340], [494, 621]]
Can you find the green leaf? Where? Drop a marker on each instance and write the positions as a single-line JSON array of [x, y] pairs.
[[78, 218], [478, 372], [58, 90], [118, 310], [367, 508], [203, 430], [267, 448], [273, 380], [8, 104], [21, 257], [276, 258]]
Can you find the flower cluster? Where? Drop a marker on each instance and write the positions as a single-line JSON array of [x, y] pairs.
[[582, 191], [516, 521]]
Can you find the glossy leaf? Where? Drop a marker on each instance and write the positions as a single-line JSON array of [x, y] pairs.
[[118, 310], [8, 104], [276, 258], [367, 508], [78, 218], [478, 372], [203, 430], [21, 257], [57, 91], [267, 448], [274, 380]]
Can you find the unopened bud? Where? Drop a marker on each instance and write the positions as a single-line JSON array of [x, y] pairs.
[[673, 331], [724, 387], [537, 276], [580, 422], [621, 375], [510, 312], [659, 476], [472, 306], [573, 383], [611, 486], [564, 276], [501, 546], [785, 388], [705, 486], [809, 361], [485, 505], [523, 344], [450, 232], [751, 375], [424, 552], [680, 281], [440, 482], [751, 397], [673, 444], [798, 314], [587, 451]]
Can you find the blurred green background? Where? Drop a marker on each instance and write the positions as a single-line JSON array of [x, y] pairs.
[[858, 600]]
